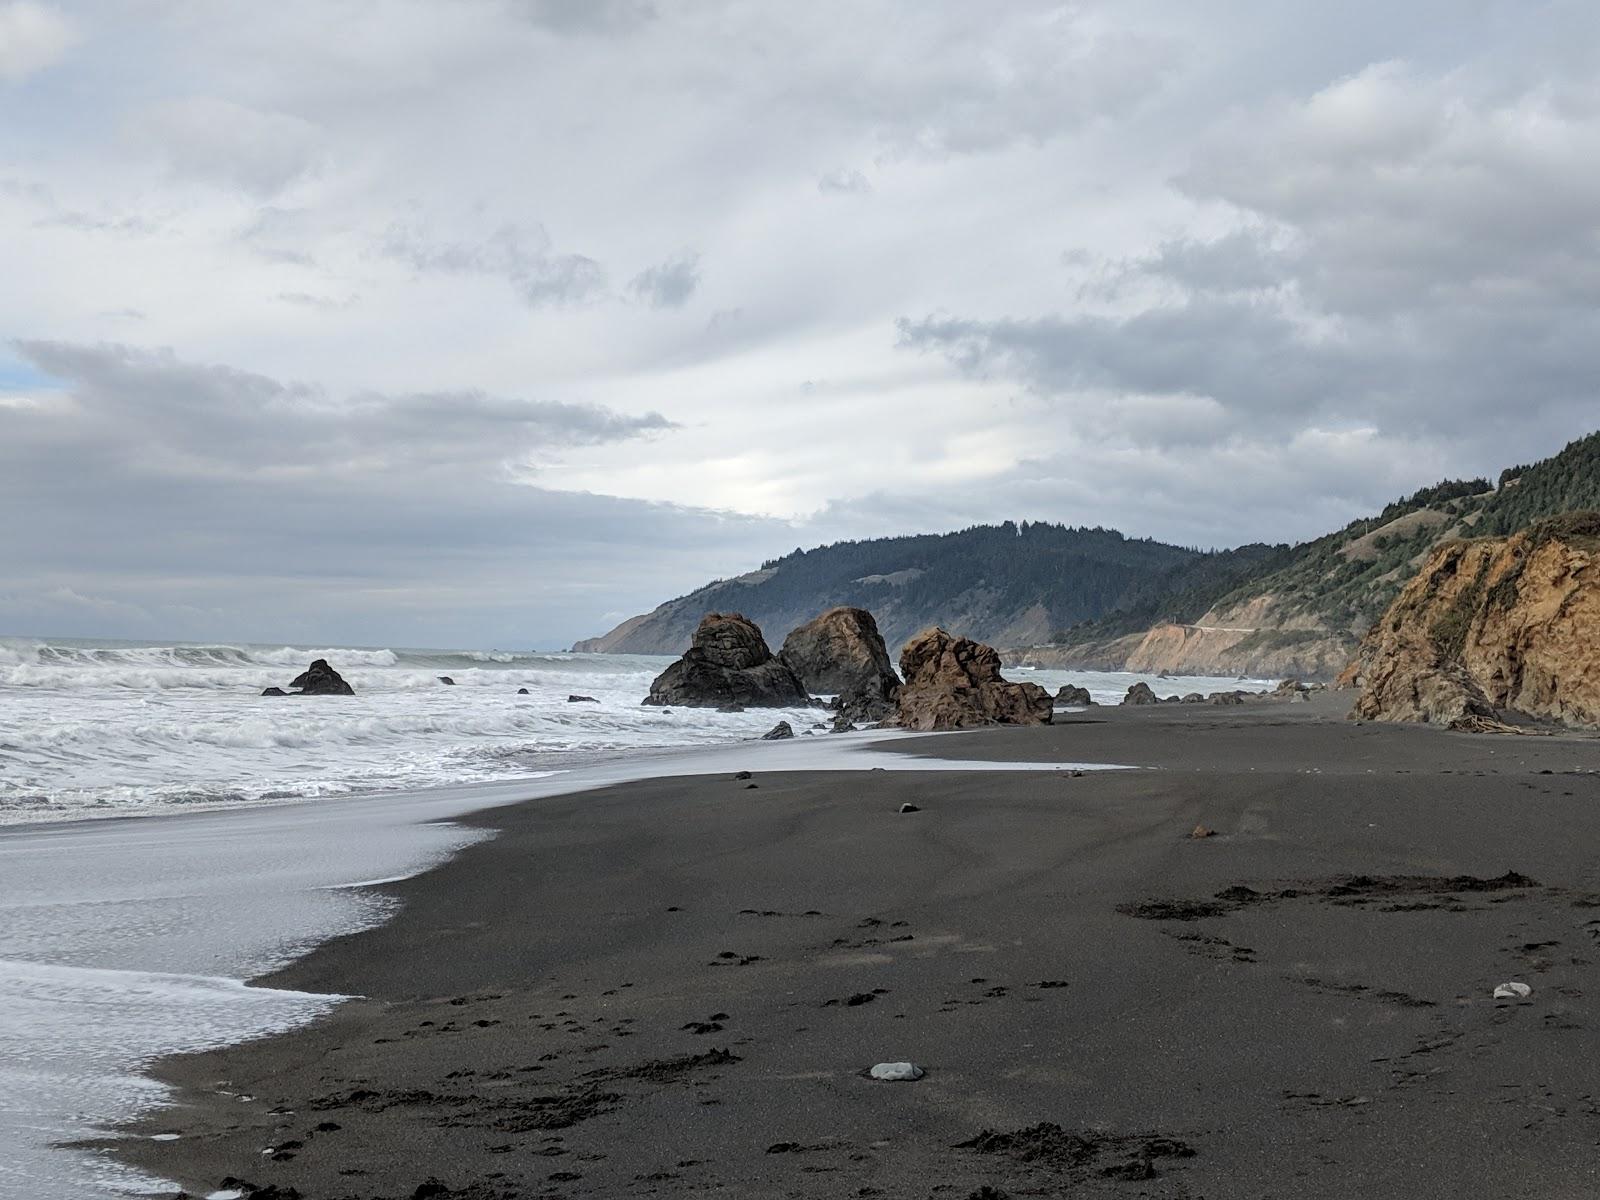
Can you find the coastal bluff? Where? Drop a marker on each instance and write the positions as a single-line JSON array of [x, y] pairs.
[[1491, 630]]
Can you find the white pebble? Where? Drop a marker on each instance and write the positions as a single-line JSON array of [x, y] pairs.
[[1513, 991], [899, 1072]]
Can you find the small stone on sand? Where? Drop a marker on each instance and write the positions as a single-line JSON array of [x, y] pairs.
[[897, 1072]]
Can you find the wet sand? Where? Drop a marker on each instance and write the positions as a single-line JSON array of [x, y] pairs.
[[672, 988]]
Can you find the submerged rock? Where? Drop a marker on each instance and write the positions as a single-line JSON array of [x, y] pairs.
[[522, 691], [729, 663], [955, 683], [582, 700], [274, 691], [319, 679], [447, 681]]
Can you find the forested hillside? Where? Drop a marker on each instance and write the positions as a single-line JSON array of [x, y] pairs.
[[1063, 596], [1005, 583]]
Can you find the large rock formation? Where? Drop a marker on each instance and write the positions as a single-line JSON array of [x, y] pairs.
[[955, 683], [319, 679], [729, 663], [1489, 628], [842, 653]]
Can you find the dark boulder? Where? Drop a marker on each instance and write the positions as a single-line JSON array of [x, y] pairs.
[[1194, 698], [274, 691], [842, 653], [1074, 695], [1140, 693], [729, 663], [319, 679], [522, 691], [955, 683], [575, 699], [778, 732], [447, 681]]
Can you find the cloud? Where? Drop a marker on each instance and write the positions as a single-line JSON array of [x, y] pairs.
[[204, 419], [588, 16], [670, 284], [843, 182], [211, 140], [522, 256], [32, 38], [1407, 252]]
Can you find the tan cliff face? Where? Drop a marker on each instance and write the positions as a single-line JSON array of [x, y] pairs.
[[1489, 627], [1253, 638]]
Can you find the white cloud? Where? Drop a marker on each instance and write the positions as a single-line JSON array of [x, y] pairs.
[[32, 37], [217, 141]]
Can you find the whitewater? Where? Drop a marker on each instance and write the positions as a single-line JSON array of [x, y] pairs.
[[99, 728]]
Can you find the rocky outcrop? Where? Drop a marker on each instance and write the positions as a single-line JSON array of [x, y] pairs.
[[1140, 693], [955, 683], [1071, 694], [319, 679], [841, 653], [1489, 629], [728, 664]]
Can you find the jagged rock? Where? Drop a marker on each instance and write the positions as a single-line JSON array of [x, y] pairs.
[[841, 652], [778, 732], [447, 681], [1200, 831], [1140, 693], [575, 699], [319, 679], [955, 683], [910, 808], [1490, 627], [1289, 688], [274, 691], [1225, 698], [729, 663], [1074, 695], [522, 691], [843, 724]]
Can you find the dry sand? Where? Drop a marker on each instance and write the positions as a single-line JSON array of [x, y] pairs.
[[672, 988]]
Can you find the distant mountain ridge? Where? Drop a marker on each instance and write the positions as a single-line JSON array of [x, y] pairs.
[[1055, 595], [1005, 584]]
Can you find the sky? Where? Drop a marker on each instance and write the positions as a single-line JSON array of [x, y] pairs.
[[493, 322]]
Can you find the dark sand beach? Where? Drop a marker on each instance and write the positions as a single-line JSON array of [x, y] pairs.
[[672, 988]]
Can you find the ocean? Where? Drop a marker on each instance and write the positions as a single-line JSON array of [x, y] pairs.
[[94, 728]]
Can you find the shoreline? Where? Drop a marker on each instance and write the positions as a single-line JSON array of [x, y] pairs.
[[128, 941], [550, 1012]]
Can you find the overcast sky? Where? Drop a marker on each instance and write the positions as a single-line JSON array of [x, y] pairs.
[[491, 322]]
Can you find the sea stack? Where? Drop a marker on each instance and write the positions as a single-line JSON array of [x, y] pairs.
[[955, 683], [729, 663], [841, 653]]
